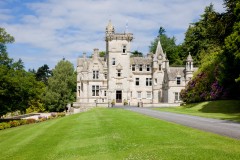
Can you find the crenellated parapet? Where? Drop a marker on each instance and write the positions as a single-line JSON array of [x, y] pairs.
[[119, 36]]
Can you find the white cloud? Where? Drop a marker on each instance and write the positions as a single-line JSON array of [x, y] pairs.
[[63, 28]]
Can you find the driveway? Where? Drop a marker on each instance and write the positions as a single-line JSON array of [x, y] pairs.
[[221, 127]]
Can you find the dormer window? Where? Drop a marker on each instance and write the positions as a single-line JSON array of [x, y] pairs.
[[124, 48], [178, 80], [95, 74], [148, 67]]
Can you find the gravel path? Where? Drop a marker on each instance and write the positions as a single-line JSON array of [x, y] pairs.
[[221, 127]]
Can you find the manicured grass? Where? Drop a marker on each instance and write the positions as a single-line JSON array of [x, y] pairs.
[[113, 134], [224, 109]]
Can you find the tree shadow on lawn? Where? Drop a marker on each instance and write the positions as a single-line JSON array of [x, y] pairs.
[[229, 107]]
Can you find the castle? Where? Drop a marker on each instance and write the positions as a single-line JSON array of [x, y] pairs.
[[124, 80]]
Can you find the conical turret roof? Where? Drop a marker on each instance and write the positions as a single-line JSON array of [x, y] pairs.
[[159, 52], [159, 49]]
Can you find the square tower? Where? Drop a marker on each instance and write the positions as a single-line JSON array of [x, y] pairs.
[[118, 61]]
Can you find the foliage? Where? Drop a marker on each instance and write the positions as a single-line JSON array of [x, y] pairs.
[[14, 123], [136, 54], [23, 121], [169, 46], [17, 87], [125, 102], [5, 38], [214, 42], [205, 34], [43, 73], [113, 102], [61, 87], [35, 106], [4, 125], [61, 114], [102, 54], [206, 85], [232, 49]]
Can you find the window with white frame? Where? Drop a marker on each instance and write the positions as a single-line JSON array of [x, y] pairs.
[[137, 81], [140, 67], [148, 67], [95, 74], [139, 95], [95, 90], [178, 80], [149, 95], [177, 96], [105, 93], [113, 61], [105, 75], [148, 81], [133, 67]]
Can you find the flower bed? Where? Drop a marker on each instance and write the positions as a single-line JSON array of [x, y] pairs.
[[15, 123]]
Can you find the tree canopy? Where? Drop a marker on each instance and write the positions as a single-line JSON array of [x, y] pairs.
[[61, 87], [136, 53], [214, 42], [169, 46], [43, 73], [17, 87]]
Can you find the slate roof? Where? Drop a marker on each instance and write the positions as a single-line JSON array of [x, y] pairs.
[[176, 71], [140, 60]]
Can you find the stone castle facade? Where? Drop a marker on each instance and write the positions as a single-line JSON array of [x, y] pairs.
[[121, 79]]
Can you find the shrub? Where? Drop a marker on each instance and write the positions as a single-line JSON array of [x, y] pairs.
[[62, 114], [23, 121], [54, 115], [41, 118], [31, 120], [50, 117], [113, 102], [125, 102], [4, 125], [14, 123]]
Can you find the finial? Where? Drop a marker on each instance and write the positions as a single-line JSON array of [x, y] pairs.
[[84, 55], [126, 27], [189, 57]]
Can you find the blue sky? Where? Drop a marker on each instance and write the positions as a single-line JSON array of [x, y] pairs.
[[46, 31]]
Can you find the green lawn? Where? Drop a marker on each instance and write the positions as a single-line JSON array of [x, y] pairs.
[[113, 134], [224, 109]]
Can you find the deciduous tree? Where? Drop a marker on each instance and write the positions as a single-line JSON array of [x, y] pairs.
[[61, 87]]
